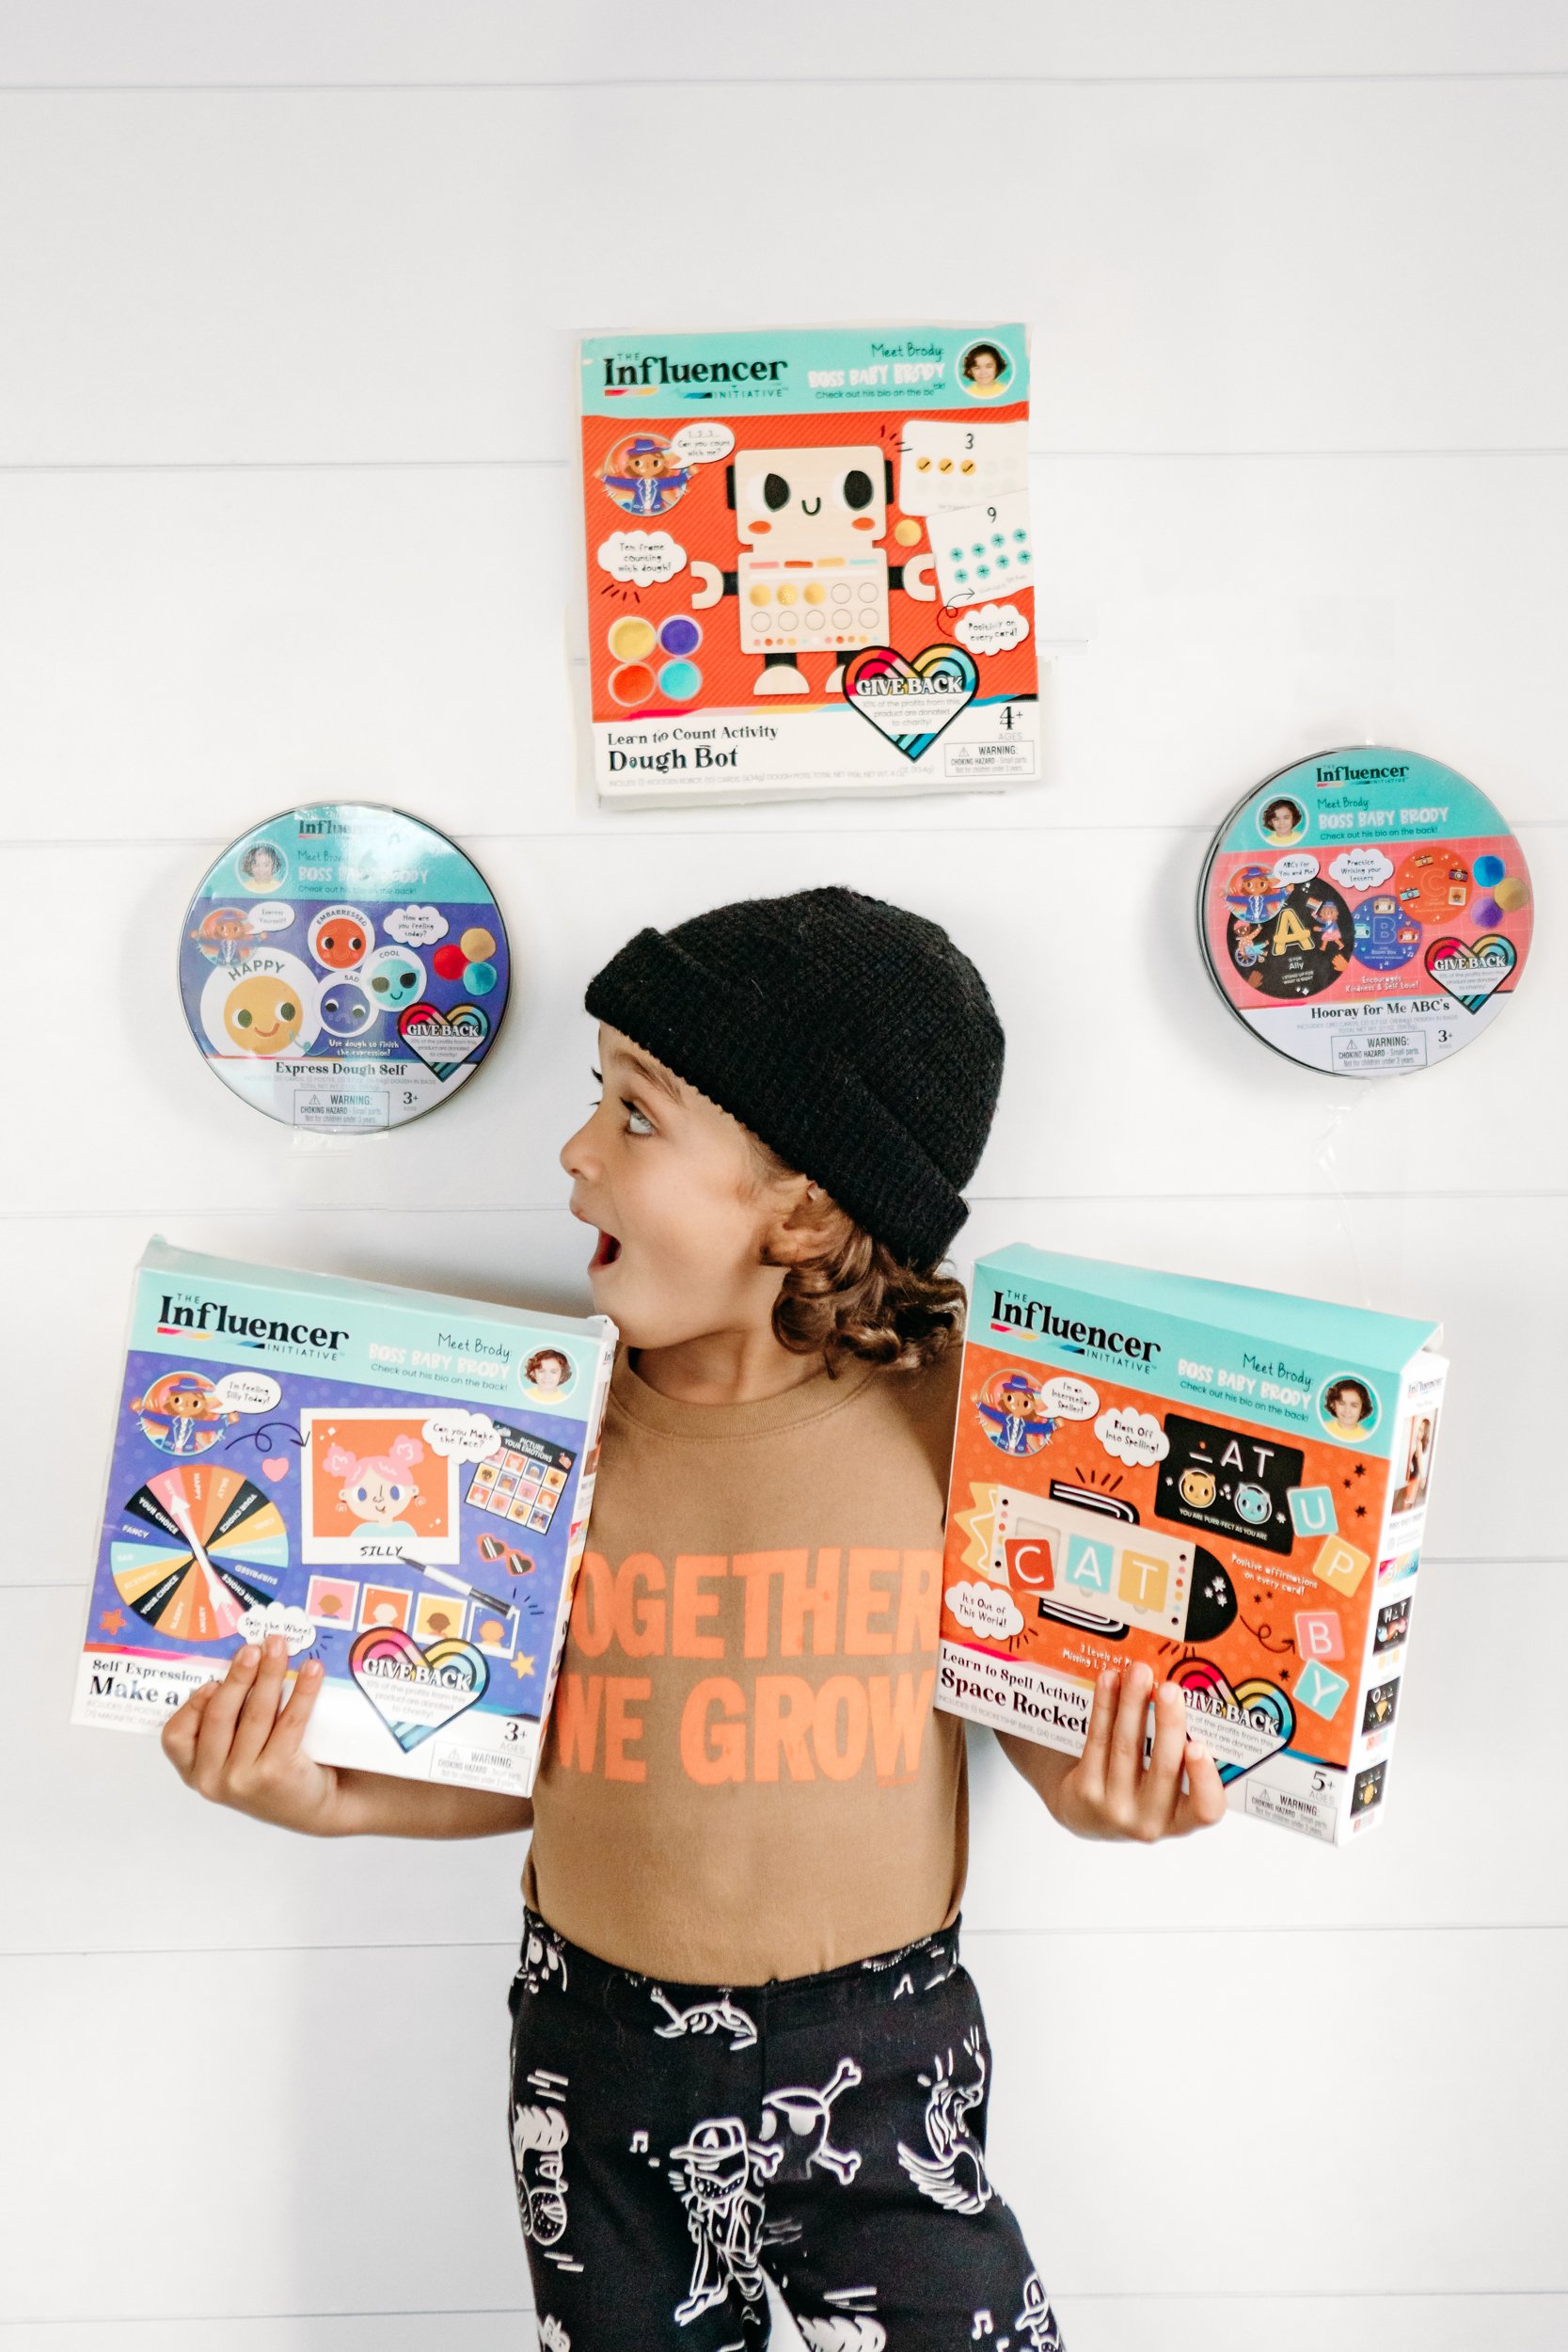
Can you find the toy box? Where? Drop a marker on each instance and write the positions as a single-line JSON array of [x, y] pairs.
[[810, 562], [1227, 1483], [397, 1482]]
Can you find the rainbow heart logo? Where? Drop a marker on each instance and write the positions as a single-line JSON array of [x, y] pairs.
[[1242, 1726], [1471, 975], [416, 1691], [911, 701], [443, 1040]]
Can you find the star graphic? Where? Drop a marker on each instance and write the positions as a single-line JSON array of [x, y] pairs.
[[112, 1621], [522, 1667], [1360, 1509], [1361, 1469]]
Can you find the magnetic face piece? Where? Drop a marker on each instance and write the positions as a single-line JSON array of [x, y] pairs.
[[308, 943], [1366, 912]]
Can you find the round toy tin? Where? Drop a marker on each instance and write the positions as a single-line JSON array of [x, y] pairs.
[[343, 966], [1366, 912]]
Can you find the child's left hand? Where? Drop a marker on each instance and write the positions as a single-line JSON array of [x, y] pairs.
[[1110, 1792]]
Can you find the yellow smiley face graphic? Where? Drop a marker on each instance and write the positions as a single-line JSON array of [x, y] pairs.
[[263, 1014]]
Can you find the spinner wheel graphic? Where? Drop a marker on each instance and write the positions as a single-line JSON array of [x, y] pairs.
[[192, 1576]]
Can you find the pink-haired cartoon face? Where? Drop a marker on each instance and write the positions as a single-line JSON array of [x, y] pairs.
[[376, 1487]]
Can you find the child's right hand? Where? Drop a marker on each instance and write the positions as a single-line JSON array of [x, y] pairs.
[[234, 1743]]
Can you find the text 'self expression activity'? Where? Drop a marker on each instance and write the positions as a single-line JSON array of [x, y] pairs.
[[343, 967]]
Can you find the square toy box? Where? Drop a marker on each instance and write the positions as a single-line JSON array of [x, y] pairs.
[[1227, 1483], [397, 1482], [810, 562]]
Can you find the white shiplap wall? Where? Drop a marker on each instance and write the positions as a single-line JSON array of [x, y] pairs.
[[288, 291]]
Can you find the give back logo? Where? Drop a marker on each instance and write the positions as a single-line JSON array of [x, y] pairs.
[[911, 701], [1471, 975]]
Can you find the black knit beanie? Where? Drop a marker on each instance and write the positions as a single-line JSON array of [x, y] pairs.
[[850, 1036]]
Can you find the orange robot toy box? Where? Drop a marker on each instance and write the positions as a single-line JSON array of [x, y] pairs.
[[1229, 1482], [810, 562]]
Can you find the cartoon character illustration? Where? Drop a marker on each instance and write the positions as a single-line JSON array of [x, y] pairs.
[[1348, 1405], [1198, 1485], [393, 978], [181, 1413], [376, 1486], [803, 2111], [984, 370], [649, 479], [810, 577], [1326, 915], [346, 1009], [223, 935], [339, 943], [1016, 1422], [263, 1014], [539, 2136], [720, 2016], [1246, 947], [261, 868], [954, 2174], [720, 2185], [1254, 896]]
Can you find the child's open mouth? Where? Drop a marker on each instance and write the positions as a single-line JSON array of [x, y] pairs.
[[606, 1254]]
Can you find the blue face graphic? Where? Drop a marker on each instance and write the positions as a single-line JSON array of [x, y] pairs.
[[346, 1009], [393, 979]]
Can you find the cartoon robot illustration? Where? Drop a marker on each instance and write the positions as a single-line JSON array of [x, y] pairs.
[[720, 2185], [803, 2111], [954, 2174], [811, 576]]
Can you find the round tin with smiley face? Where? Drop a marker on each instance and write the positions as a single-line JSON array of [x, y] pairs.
[[325, 967]]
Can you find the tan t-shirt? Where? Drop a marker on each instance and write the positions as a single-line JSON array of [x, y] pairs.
[[744, 1776]]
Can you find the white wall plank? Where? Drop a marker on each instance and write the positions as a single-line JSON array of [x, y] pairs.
[[333, 2082], [136, 42], [1097, 928], [1456, 1846], [365, 276], [376, 291], [1304, 2323], [1397, 1254], [189, 650]]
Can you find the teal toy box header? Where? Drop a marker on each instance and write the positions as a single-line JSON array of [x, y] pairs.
[[1229, 1484], [396, 1482]]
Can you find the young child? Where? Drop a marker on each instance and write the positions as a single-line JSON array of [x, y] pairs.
[[743, 2044]]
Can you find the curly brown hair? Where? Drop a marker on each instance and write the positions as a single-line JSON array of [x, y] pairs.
[[849, 1297]]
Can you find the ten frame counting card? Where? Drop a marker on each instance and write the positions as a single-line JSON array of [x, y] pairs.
[[1229, 1482], [396, 1482], [810, 562]]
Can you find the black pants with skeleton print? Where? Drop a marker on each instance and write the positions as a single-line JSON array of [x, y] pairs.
[[675, 2144]]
